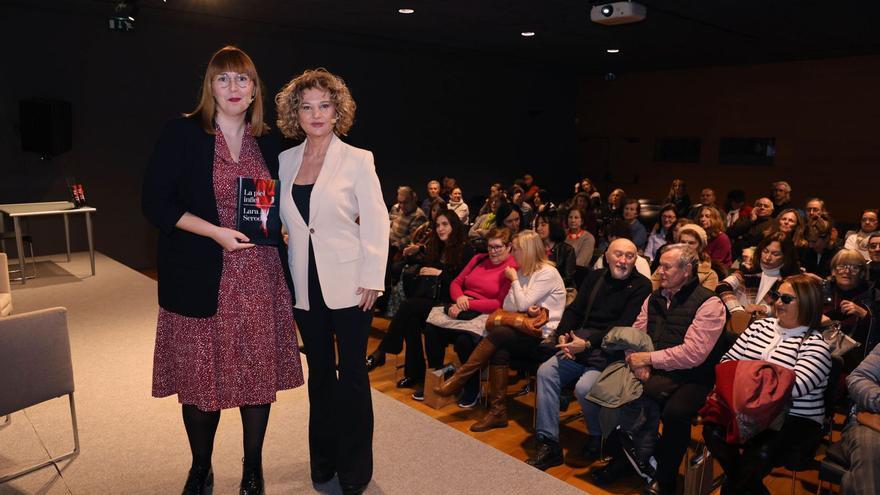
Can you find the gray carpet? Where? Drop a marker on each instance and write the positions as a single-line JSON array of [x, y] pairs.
[[132, 443]]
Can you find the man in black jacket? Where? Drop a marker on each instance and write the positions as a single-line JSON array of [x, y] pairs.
[[607, 298]]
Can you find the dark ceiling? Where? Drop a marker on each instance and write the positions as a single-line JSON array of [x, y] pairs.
[[676, 33]]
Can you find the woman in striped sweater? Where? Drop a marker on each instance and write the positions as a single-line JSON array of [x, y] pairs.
[[792, 341]]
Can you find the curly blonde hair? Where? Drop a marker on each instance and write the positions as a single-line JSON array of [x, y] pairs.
[[289, 99]]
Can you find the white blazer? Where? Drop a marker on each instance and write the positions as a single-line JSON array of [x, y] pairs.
[[349, 253]]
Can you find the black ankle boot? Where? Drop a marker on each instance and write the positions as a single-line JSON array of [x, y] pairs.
[[200, 481], [251, 481], [375, 360]]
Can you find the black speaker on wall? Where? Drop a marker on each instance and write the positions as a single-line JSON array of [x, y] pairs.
[[45, 126]]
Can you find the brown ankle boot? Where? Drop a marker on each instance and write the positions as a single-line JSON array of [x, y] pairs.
[[474, 364], [497, 415]]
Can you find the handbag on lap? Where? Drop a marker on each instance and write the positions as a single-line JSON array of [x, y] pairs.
[[530, 325]]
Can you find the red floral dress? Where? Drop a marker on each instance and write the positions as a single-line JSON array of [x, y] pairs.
[[247, 351]]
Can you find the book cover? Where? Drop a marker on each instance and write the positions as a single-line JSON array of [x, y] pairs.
[[258, 216]]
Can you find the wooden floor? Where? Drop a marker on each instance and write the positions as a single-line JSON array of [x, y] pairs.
[[517, 439]]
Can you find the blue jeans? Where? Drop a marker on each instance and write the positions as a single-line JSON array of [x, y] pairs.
[[552, 376]]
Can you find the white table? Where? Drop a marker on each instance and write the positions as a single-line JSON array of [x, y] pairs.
[[64, 208]]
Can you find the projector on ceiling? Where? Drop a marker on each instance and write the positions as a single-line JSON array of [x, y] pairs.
[[618, 13]]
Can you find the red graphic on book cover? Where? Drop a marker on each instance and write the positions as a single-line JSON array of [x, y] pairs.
[[265, 197]]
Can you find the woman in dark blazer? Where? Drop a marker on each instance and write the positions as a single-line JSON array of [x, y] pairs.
[[331, 203], [225, 335]]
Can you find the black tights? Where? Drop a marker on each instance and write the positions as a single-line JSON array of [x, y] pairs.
[[202, 425]]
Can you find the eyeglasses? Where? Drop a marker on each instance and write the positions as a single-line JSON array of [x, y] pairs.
[[241, 80], [762, 205], [491, 247], [848, 268], [785, 298]]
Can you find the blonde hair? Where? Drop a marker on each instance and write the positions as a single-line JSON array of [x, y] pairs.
[[534, 254], [230, 59], [289, 99]]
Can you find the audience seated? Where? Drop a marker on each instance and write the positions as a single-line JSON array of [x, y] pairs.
[[509, 216], [789, 224], [684, 321], [748, 231], [579, 238], [458, 206], [816, 257], [529, 187], [638, 232], [695, 237], [707, 199], [478, 290], [586, 186], [874, 262], [559, 252], [534, 285], [749, 289], [791, 340], [718, 246], [736, 207], [517, 197], [781, 197], [662, 231], [433, 192], [435, 265], [608, 298], [496, 190], [858, 240], [851, 300], [767, 244], [485, 221], [678, 197], [405, 216], [620, 230], [861, 442]]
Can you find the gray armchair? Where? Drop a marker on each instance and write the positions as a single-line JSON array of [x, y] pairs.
[[35, 366]]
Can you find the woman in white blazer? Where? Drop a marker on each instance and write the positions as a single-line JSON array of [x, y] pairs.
[[332, 206]]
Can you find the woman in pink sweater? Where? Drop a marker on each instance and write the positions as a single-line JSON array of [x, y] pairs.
[[477, 291]]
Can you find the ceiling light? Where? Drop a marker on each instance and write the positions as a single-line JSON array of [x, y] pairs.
[[613, 50], [406, 11], [527, 34]]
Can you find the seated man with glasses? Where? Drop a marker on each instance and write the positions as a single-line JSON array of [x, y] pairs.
[[852, 301]]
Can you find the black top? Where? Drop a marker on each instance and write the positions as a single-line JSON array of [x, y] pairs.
[[302, 197], [180, 179]]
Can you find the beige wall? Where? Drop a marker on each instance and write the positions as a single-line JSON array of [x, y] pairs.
[[824, 114]]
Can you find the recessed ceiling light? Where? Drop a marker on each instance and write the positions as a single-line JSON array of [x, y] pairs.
[[613, 50], [527, 34], [406, 11]]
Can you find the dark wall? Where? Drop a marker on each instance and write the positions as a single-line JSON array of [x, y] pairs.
[[423, 111], [823, 114]]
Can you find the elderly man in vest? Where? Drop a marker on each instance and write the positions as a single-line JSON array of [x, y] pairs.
[[685, 321]]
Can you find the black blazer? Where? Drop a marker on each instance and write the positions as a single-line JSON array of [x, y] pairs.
[[180, 179]]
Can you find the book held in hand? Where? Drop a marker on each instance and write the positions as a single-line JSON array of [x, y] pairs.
[[257, 216]]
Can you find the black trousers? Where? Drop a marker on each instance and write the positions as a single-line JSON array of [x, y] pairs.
[[436, 340], [340, 405], [677, 413], [511, 343], [746, 465], [406, 326]]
